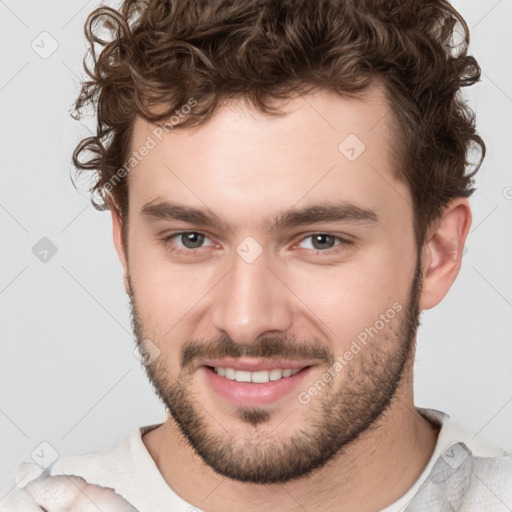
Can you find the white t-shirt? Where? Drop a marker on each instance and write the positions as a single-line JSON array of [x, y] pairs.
[[463, 475]]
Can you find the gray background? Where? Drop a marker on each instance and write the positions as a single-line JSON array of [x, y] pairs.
[[68, 375]]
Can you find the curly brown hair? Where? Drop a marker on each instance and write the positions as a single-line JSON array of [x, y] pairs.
[[162, 53]]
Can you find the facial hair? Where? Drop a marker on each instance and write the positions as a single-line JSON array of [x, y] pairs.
[[337, 417]]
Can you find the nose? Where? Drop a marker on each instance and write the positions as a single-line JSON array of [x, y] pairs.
[[252, 300]]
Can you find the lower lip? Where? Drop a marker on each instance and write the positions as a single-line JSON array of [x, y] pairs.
[[251, 393]]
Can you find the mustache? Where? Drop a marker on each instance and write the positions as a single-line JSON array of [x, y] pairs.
[[268, 347]]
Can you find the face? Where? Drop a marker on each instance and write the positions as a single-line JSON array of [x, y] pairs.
[[272, 267]]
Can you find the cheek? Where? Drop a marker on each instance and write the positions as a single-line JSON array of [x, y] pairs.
[[345, 300], [169, 295], [166, 293], [154, 284]]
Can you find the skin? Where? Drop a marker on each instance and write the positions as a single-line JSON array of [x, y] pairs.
[[248, 167]]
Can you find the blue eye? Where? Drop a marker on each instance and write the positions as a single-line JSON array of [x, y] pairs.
[[185, 241], [191, 240], [323, 241]]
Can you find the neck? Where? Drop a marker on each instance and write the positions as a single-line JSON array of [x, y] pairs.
[[369, 474]]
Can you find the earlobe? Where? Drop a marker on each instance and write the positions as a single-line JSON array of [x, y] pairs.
[[443, 251]]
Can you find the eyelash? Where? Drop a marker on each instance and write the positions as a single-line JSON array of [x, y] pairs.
[[182, 251]]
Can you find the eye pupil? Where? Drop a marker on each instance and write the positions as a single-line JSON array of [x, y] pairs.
[[192, 240], [322, 241]]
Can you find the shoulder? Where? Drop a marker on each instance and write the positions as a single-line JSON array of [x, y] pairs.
[[464, 473], [495, 475]]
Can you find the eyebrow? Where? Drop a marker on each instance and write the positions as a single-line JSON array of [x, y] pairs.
[[325, 212], [166, 210]]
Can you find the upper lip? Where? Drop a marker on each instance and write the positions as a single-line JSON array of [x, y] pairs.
[[253, 364]]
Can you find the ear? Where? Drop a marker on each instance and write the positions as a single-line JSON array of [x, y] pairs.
[[117, 234], [443, 251]]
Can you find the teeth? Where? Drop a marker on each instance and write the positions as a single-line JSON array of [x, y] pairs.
[[229, 373], [241, 376], [276, 374], [260, 377]]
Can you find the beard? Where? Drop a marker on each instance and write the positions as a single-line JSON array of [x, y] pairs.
[[336, 418]]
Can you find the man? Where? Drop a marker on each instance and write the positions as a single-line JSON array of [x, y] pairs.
[[289, 187]]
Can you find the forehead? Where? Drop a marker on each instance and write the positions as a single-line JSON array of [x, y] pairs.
[[243, 162]]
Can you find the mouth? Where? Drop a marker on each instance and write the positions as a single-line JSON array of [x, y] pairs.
[[259, 377], [253, 383]]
